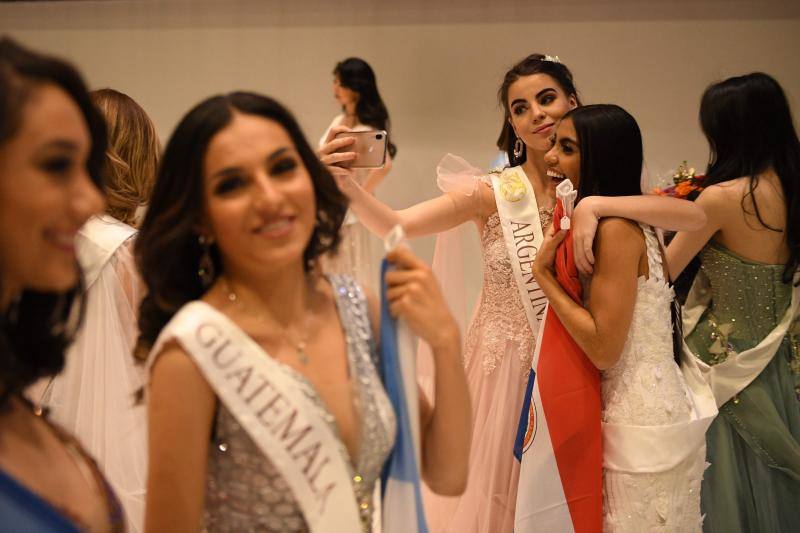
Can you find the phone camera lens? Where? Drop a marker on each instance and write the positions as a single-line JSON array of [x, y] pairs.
[[379, 136]]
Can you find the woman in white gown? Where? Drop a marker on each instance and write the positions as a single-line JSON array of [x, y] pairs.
[[653, 442], [94, 397], [355, 89]]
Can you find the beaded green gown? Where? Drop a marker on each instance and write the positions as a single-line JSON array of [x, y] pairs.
[[753, 483]]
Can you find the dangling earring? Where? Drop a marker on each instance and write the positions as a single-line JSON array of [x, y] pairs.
[[519, 147], [205, 270]]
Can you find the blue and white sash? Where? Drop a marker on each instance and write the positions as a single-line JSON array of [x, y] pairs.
[[402, 497]]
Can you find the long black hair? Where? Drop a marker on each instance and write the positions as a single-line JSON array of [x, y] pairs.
[[533, 64], [167, 249], [38, 327], [611, 150], [749, 128], [355, 74]]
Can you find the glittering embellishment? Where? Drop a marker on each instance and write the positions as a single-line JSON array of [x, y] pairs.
[[500, 326], [720, 348], [244, 491], [794, 343]]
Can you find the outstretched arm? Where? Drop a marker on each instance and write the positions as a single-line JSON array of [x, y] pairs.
[[659, 211], [439, 214], [415, 297]]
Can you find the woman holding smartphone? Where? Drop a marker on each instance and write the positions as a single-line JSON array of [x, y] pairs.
[[536, 93], [356, 90]]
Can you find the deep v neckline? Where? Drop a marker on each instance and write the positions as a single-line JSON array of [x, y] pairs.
[[353, 461]]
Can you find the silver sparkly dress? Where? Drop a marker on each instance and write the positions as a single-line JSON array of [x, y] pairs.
[[244, 491]]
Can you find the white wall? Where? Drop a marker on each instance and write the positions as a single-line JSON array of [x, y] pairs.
[[438, 64]]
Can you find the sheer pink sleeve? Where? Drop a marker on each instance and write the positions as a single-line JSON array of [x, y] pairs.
[[458, 178]]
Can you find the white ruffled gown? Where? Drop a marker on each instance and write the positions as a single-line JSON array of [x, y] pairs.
[[646, 388]]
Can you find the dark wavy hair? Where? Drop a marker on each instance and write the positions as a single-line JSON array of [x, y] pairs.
[[611, 150], [167, 249], [749, 128], [533, 64], [355, 74], [37, 328]]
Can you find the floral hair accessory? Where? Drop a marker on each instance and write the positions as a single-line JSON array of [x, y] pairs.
[[552, 59]]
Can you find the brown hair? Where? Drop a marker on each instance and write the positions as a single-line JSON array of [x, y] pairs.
[[533, 64], [132, 155], [167, 248]]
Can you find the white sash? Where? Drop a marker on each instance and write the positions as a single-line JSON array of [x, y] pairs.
[[282, 422], [647, 449], [522, 230], [732, 375]]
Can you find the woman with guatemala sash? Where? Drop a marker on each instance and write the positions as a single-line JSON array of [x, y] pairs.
[[509, 210], [654, 417], [265, 409]]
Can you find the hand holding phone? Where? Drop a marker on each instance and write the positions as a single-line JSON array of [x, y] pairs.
[[369, 147]]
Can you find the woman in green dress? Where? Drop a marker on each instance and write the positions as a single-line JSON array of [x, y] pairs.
[[741, 316], [747, 289]]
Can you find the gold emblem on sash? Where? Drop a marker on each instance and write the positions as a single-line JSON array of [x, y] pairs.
[[512, 188]]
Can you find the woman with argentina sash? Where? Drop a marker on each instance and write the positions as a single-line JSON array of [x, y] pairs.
[[509, 210], [265, 409]]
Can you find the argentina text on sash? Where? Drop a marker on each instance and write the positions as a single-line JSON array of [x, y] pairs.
[[522, 232]]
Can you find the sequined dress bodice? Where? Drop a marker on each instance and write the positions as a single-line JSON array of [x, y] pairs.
[[245, 492], [500, 318], [748, 300]]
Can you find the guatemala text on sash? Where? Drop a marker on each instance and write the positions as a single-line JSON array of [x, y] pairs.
[[281, 420]]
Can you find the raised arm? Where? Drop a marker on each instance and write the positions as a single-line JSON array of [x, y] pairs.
[[662, 212], [602, 328], [414, 296], [686, 244], [438, 214]]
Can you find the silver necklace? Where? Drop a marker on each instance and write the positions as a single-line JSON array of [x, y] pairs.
[[299, 345]]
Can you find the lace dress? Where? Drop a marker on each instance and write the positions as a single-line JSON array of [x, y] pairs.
[[753, 483], [244, 491], [497, 356], [646, 388]]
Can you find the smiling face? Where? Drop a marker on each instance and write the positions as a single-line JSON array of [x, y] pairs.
[[564, 158], [535, 104], [46, 194], [259, 199]]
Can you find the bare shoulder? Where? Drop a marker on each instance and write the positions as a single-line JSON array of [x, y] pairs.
[[173, 363], [616, 229]]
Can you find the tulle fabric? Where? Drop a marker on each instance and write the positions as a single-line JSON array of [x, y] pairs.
[[453, 174], [487, 505], [94, 397]]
